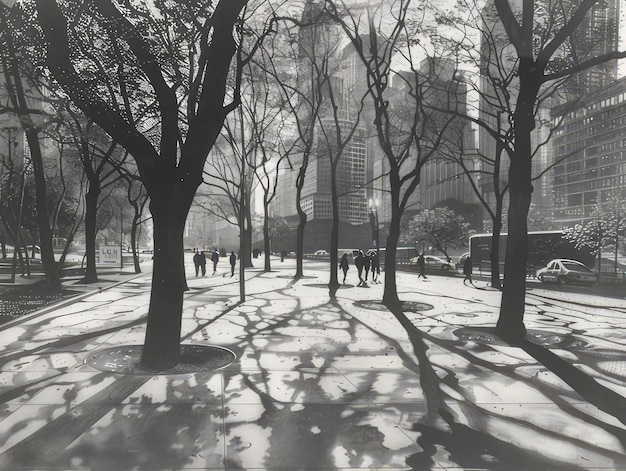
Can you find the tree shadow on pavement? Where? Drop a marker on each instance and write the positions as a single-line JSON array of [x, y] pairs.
[[593, 392], [481, 442]]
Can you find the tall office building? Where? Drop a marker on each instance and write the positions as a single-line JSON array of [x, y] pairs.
[[590, 153], [599, 34], [595, 36], [443, 182], [319, 39]]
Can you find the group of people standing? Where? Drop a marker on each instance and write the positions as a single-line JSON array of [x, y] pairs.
[[200, 260], [364, 263]]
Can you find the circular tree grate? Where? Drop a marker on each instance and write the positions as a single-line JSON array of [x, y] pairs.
[[126, 359], [407, 306], [487, 336]]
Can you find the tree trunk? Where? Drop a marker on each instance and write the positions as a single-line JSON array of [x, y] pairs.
[[390, 295], [246, 256], [133, 239], [301, 225], [333, 284], [242, 248], [510, 324], [162, 343], [494, 253], [45, 231], [266, 238], [91, 208]]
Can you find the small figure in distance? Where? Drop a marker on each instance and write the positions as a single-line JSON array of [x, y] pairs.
[[215, 258], [467, 270], [359, 262], [375, 268], [366, 265], [203, 263], [233, 261], [196, 261], [421, 265], [344, 265]]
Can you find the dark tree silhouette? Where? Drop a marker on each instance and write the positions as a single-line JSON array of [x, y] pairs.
[[538, 64], [170, 161]]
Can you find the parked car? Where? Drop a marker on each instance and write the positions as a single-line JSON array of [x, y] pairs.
[[563, 271], [431, 261], [320, 252]]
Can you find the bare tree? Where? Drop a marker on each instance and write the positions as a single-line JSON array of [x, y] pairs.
[[409, 128], [194, 84], [541, 38], [303, 99], [95, 152], [23, 97], [479, 43]]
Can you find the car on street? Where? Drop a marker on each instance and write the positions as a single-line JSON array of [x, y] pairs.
[[564, 271], [432, 261], [320, 252]]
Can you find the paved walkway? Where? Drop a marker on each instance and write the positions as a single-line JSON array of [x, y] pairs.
[[319, 385]]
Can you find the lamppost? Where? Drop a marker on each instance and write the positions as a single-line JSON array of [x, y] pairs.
[[373, 204]]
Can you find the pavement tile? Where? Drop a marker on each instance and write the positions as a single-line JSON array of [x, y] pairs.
[[193, 388], [52, 387], [309, 436], [115, 437], [303, 387]]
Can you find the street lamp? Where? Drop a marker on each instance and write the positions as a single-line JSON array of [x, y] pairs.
[[373, 205]]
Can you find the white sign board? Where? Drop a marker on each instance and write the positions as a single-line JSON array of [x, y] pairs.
[[110, 254]]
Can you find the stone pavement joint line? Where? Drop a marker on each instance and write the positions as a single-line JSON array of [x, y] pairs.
[[319, 384]]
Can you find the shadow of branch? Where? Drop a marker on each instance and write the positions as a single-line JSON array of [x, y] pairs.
[[593, 392]]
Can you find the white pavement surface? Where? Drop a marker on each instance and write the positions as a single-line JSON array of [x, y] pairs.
[[320, 385]]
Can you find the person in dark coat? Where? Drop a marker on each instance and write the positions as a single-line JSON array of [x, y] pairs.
[[196, 261], [467, 270], [359, 263], [203, 263], [375, 268], [233, 262], [421, 266], [366, 264], [215, 258], [345, 266]]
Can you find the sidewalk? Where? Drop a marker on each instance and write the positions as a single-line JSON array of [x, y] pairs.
[[318, 385]]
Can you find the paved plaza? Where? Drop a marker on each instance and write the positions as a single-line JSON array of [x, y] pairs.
[[314, 384]]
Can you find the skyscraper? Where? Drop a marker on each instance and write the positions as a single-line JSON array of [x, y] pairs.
[[590, 153]]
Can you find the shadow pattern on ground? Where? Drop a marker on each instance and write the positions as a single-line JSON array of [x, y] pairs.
[[314, 397]]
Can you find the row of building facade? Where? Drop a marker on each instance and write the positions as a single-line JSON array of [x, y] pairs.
[[582, 164], [580, 143]]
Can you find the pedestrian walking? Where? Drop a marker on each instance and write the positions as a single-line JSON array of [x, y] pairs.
[[366, 264], [344, 265], [375, 267], [233, 261], [203, 263], [215, 258], [421, 265], [359, 263], [467, 270], [196, 261]]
